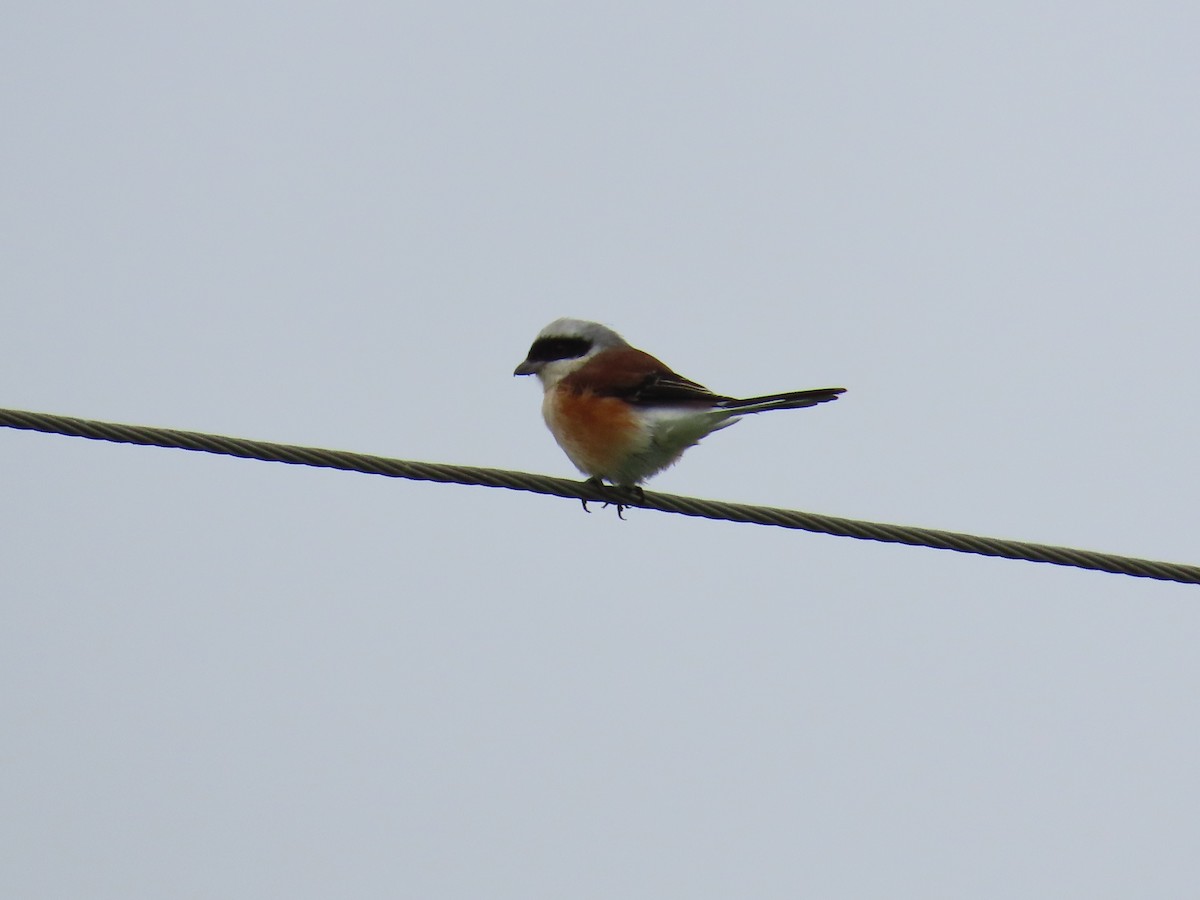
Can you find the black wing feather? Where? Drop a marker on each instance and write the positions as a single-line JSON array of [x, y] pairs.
[[667, 388]]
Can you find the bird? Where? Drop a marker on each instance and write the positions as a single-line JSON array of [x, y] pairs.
[[621, 415]]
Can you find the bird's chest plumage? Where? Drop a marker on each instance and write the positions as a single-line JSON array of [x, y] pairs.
[[599, 434]]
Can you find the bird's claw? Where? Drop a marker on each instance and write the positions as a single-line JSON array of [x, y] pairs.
[[635, 490]]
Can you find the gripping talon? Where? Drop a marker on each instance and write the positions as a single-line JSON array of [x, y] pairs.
[[598, 485]]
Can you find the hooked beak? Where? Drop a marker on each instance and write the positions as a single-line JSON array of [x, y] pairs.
[[528, 367]]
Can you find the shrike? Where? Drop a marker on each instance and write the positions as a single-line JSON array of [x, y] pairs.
[[622, 416]]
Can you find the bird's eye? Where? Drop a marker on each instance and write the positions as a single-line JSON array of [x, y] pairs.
[[550, 349]]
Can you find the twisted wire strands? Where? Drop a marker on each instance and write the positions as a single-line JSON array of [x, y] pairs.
[[560, 487]]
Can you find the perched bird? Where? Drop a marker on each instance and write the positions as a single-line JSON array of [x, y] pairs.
[[622, 416]]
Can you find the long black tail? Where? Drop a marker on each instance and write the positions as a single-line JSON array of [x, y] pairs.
[[790, 400]]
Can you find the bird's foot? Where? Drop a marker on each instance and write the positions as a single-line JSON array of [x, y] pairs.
[[598, 485], [634, 490]]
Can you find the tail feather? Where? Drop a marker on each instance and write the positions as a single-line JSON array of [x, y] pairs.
[[789, 400]]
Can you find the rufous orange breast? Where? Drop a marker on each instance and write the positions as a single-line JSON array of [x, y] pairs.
[[598, 433]]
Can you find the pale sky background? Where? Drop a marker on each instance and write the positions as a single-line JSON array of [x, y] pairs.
[[342, 225]]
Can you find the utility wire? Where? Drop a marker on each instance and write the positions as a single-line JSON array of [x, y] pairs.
[[561, 487]]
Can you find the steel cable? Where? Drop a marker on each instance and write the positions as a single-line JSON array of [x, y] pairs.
[[561, 487]]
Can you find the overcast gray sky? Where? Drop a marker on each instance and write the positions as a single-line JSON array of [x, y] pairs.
[[342, 225]]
